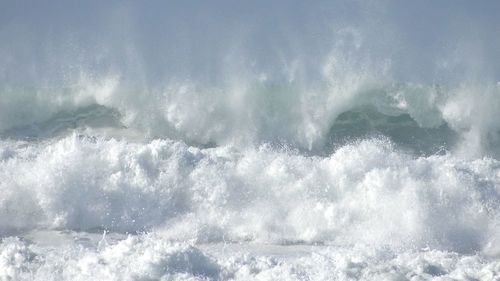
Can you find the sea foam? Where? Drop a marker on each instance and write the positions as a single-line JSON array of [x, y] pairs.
[[365, 192]]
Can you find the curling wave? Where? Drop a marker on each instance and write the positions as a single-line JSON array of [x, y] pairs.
[[423, 119]]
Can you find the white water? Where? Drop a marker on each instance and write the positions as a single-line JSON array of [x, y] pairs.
[[367, 195], [262, 141]]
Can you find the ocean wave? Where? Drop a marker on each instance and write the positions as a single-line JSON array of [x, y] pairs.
[[423, 119], [242, 140], [369, 192]]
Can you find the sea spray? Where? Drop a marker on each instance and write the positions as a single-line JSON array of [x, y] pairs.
[[283, 140]]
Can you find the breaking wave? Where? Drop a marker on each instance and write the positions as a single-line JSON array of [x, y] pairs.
[[423, 119], [369, 192], [325, 140]]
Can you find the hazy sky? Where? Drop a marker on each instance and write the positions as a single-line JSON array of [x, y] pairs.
[[423, 41]]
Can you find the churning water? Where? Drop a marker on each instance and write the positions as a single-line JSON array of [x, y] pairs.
[[232, 140]]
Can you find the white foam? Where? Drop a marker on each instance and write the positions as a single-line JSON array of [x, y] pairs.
[[344, 140], [151, 257], [368, 192]]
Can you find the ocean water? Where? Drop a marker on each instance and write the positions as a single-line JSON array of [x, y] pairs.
[[331, 140]]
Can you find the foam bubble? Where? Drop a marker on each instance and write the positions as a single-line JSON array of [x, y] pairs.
[[151, 257], [368, 192]]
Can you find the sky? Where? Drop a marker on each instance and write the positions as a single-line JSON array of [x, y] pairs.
[[147, 42]]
